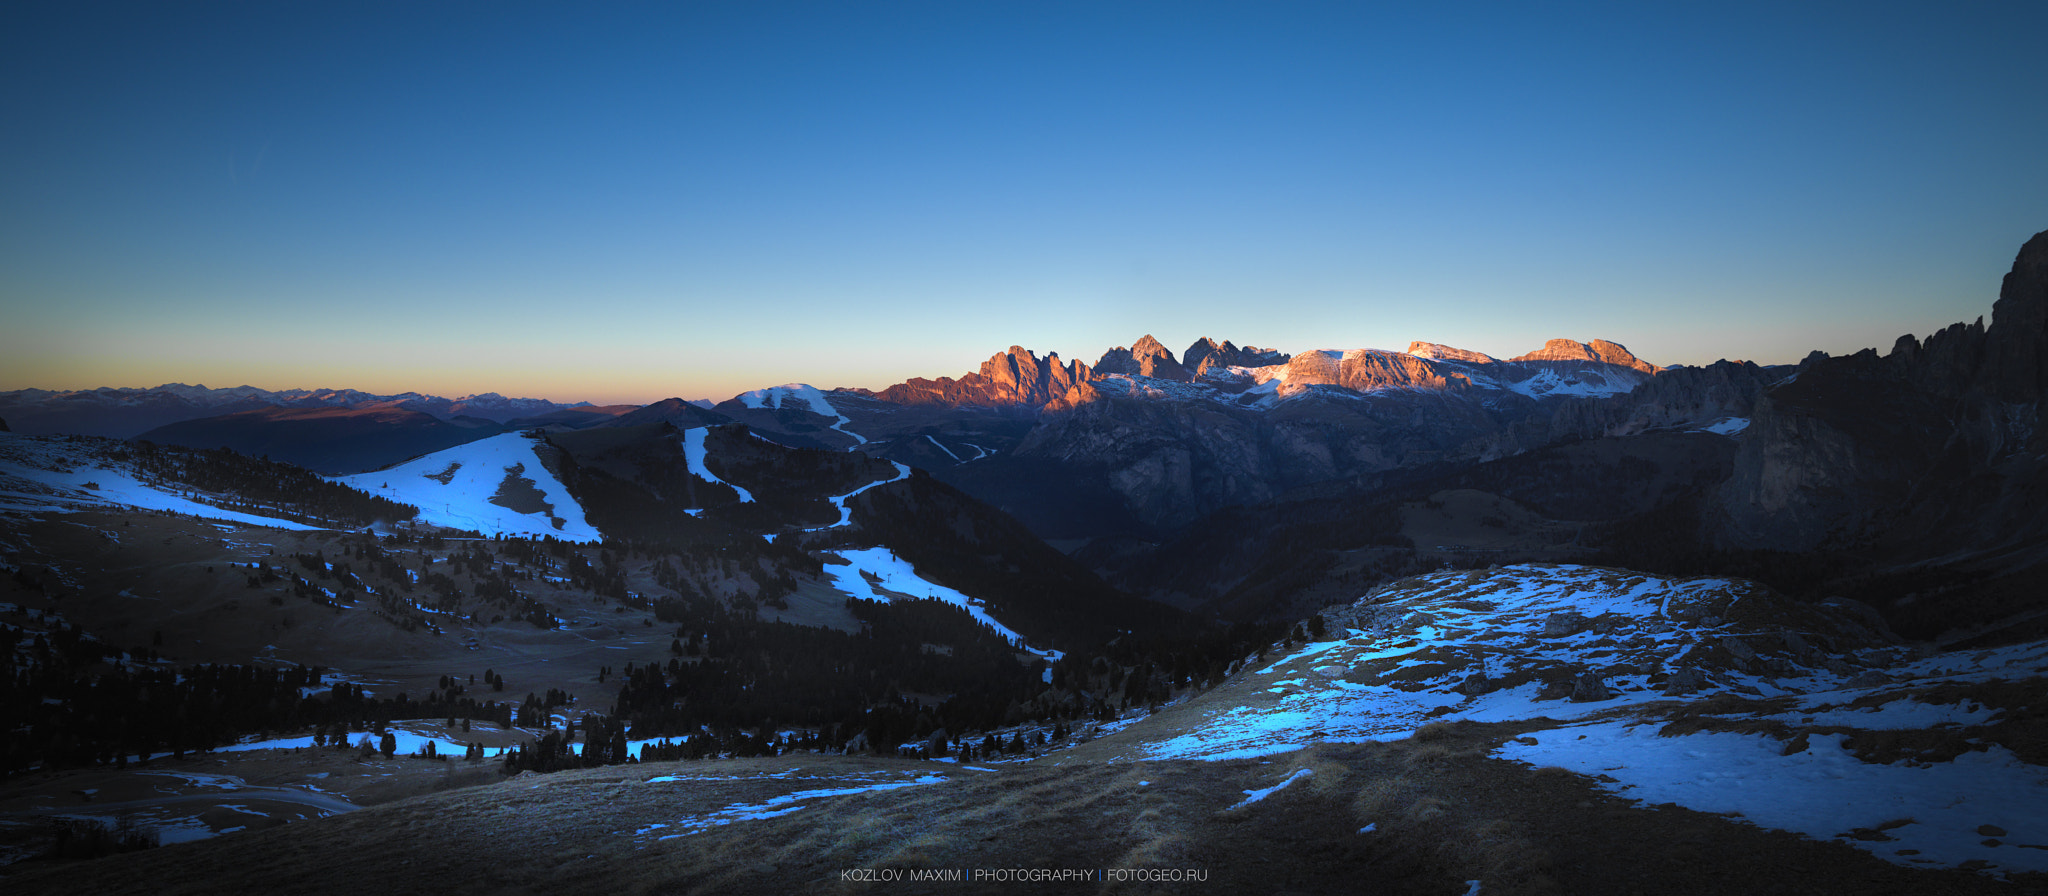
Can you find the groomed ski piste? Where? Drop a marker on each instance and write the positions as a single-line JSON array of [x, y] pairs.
[[774, 397], [693, 454], [462, 486], [1480, 645], [893, 573], [845, 512], [45, 473]]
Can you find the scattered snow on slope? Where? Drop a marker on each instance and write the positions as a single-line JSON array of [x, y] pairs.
[[1619, 656], [1253, 796], [46, 473], [1411, 666], [1727, 426], [1550, 383], [456, 487], [775, 396], [895, 574], [1822, 791], [693, 453], [769, 808]]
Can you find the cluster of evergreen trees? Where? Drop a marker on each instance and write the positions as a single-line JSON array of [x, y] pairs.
[[72, 700], [263, 487]]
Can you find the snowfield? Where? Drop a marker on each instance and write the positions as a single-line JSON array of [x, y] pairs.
[[497, 486]]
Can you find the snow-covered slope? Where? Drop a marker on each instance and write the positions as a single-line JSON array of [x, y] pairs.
[[70, 473], [869, 569], [1716, 694], [495, 486], [775, 397]]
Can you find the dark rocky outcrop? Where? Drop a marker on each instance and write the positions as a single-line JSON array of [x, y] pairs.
[[1935, 439], [1676, 398]]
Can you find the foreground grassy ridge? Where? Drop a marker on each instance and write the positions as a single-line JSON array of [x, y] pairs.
[[1441, 814]]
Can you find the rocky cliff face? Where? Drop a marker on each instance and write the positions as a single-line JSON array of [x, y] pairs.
[[1599, 350], [1931, 447], [1014, 380], [1205, 354], [1368, 369], [1169, 462], [1146, 358], [1676, 398], [2016, 347]]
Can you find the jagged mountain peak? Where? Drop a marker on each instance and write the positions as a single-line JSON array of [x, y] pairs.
[[1016, 378], [1147, 358], [1205, 354]]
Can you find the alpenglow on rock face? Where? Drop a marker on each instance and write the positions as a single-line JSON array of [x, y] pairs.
[[1146, 358], [1016, 378], [1598, 350], [1446, 353], [1205, 354]]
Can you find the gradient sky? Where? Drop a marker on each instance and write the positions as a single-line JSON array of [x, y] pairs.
[[695, 199]]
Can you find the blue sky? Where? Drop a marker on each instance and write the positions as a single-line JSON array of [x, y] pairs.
[[696, 199]]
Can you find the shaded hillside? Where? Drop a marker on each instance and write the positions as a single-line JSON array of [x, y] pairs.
[[324, 439], [1284, 558], [959, 541]]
